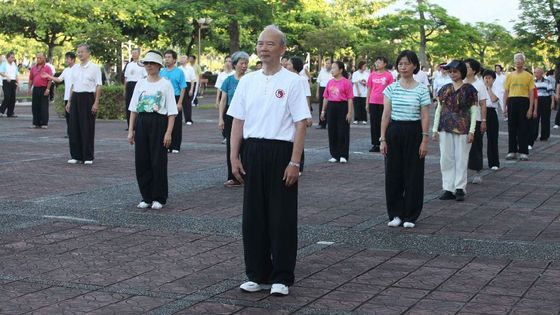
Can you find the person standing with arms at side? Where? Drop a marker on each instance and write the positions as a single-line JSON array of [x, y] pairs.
[[228, 70], [404, 142], [476, 160], [196, 83], [240, 61], [10, 84], [66, 76], [270, 113], [39, 88], [152, 108], [177, 78], [322, 80], [545, 90], [359, 82], [132, 74], [492, 123], [338, 110], [499, 84], [377, 82], [83, 106], [518, 98], [188, 71]]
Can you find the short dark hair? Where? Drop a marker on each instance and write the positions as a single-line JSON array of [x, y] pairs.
[[193, 57], [361, 64], [489, 73], [382, 59], [285, 57], [8, 55], [297, 63], [412, 57], [501, 68], [171, 52], [475, 65], [259, 62], [550, 72], [70, 55]]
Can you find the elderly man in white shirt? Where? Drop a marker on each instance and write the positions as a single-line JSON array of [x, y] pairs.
[[323, 78], [132, 74], [83, 106], [8, 73]]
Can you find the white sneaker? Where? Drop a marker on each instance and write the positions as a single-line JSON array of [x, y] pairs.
[[556, 127], [395, 222], [409, 225], [332, 160], [355, 122], [495, 168], [477, 179], [143, 205], [511, 156], [251, 286], [523, 157], [364, 122], [279, 289], [343, 160], [73, 161], [88, 162], [530, 147], [175, 151], [224, 141], [156, 205], [189, 123]]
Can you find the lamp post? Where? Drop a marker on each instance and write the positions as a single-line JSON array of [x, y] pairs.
[[203, 23]]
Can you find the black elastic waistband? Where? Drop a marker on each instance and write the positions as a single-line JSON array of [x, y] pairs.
[[84, 93], [262, 140], [405, 122], [338, 102]]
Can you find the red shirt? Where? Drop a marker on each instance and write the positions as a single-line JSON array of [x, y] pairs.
[[35, 75], [339, 90]]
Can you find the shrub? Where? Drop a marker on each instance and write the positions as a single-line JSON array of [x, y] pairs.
[[111, 103]]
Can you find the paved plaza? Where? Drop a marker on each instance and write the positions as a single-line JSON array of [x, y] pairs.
[[73, 242]]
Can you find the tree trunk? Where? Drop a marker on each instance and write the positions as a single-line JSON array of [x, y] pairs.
[[422, 51], [233, 30], [50, 52]]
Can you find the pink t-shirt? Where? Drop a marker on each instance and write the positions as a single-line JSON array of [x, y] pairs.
[[339, 90], [378, 82]]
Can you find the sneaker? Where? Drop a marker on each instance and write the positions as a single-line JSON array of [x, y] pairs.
[[494, 168], [355, 122], [189, 123], [343, 160], [556, 127], [251, 286], [224, 141], [447, 195], [88, 162], [34, 127], [409, 225], [460, 195], [374, 148], [523, 157], [13, 116], [156, 205], [511, 156], [364, 122], [333, 160], [530, 147], [477, 179], [279, 289], [44, 127], [73, 161], [175, 151], [395, 222], [143, 205]]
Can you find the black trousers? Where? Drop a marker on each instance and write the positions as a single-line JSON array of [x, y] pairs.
[[151, 157], [187, 104], [228, 122], [9, 102], [544, 111], [67, 117], [518, 125], [404, 171], [375, 115], [360, 113], [82, 126], [492, 133], [556, 119], [40, 106], [269, 212], [475, 154], [339, 129], [129, 90], [194, 99], [322, 123], [177, 133]]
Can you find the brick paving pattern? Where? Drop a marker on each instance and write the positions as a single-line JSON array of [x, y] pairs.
[[72, 241]]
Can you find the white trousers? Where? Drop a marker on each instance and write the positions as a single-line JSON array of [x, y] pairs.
[[454, 151]]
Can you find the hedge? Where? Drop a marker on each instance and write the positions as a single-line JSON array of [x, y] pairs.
[[111, 103]]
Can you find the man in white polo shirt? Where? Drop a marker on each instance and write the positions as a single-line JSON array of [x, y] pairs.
[[323, 78], [9, 72], [270, 112], [132, 74], [83, 106]]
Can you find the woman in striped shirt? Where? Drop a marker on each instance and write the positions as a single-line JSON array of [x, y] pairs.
[[404, 142]]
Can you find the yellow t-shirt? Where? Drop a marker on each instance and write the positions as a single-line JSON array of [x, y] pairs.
[[519, 84]]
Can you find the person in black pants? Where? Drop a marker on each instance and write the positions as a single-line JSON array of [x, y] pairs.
[[545, 102], [492, 123], [8, 74], [322, 80]]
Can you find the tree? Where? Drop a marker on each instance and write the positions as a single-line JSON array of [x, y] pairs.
[[539, 20], [484, 36]]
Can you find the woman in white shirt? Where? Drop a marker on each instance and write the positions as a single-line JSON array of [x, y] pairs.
[[152, 116], [359, 82]]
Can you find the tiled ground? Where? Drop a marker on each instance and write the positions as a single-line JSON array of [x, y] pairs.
[[72, 241]]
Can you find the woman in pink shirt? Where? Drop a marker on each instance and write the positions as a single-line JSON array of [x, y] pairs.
[[338, 107], [377, 82]]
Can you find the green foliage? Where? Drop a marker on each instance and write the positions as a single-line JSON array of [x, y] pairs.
[[111, 102]]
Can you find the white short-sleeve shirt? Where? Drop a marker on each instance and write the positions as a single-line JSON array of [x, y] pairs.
[[66, 76], [134, 72], [188, 70], [324, 77], [357, 78], [306, 86], [153, 97], [222, 76], [270, 105], [482, 95], [86, 78]]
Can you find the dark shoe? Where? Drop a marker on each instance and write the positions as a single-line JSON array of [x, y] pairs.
[[447, 195], [460, 195], [374, 148], [13, 116]]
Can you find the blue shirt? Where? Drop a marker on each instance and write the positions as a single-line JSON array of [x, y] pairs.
[[406, 103], [176, 77], [229, 86], [3, 68]]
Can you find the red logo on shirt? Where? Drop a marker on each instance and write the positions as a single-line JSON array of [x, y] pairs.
[[280, 93]]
